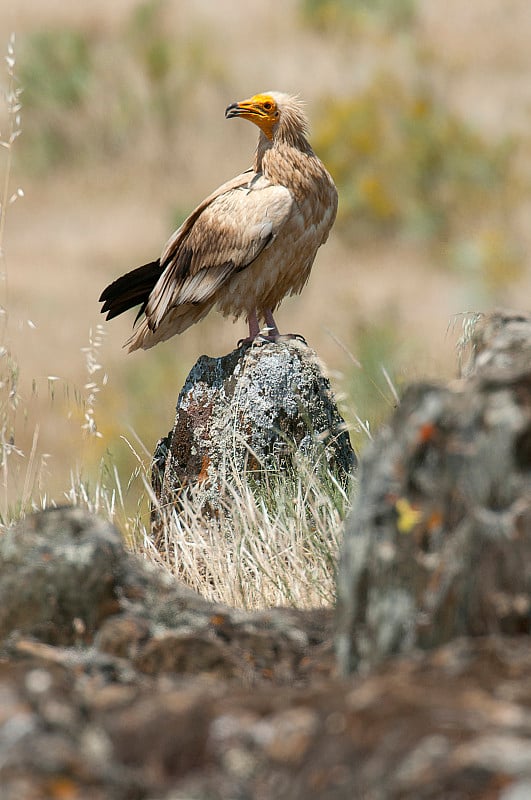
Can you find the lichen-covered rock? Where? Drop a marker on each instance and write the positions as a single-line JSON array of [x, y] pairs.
[[449, 724], [261, 409], [174, 697], [438, 543], [66, 579], [58, 571], [498, 345]]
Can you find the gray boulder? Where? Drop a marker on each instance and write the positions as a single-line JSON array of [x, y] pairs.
[[261, 412], [438, 543]]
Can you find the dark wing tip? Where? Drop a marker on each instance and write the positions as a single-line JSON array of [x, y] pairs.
[[130, 290]]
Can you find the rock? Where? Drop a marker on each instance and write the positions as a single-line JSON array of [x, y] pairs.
[[173, 697], [66, 579], [450, 723], [499, 345], [108, 667], [259, 411], [438, 543], [58, 573]]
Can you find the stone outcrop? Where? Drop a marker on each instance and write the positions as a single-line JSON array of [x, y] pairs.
[[140, 689], [66, 579], [261, 411], [438, 544], [498, 345]]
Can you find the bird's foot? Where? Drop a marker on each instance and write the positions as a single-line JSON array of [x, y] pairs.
[[287, 337], [269, 333], [263, 338], [247, 342], [256, 341]]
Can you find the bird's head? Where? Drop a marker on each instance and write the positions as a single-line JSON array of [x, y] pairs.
[[273, 112]]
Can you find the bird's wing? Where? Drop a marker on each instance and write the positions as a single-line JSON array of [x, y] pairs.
[[222, 236]]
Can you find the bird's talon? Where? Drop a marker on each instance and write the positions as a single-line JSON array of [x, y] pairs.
[[261, 340], [301, 338], [287, 337]]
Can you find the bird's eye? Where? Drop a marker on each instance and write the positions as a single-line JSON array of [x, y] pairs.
[[268, 106]]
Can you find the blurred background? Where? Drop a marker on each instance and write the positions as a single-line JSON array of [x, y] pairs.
[[421, 110]]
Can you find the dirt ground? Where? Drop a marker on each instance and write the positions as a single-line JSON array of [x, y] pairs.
[[77, 228]]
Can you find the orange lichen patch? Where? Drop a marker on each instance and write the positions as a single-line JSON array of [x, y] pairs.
[[428, 525], [408, 515], [205, 463], [63, 789], [427, 432], [218, 619], [435, 520]]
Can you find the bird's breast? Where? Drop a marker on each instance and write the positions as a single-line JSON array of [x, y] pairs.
[[283, 267]]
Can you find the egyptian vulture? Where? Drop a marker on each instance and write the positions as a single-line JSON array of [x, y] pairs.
[[248, 245]]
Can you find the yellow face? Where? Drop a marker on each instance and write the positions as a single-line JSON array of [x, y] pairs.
[[260, 109]]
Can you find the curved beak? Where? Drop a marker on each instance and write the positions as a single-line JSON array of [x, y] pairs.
[[232, 111], [245, 108], [253, 111]]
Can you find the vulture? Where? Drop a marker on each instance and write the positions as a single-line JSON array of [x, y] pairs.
[[246, 246]]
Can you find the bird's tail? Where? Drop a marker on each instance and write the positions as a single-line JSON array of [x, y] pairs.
[[130, 290], [175, 321]]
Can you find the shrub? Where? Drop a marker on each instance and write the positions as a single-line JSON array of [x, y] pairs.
[[405, 164], [351, 15]]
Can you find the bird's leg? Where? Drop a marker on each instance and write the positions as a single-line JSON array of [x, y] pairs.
[[272, 329], [270, 333], [274, 334], [254, 329]]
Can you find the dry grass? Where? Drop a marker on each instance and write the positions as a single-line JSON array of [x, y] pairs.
[[268, 546], [277, 546], [9, 370], [24, 467]]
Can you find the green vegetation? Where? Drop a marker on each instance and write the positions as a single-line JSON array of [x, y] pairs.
[[371, 384], [353, 15], [55, 72], [152, 45], [406, 165], [119, 88], [404, 162]]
